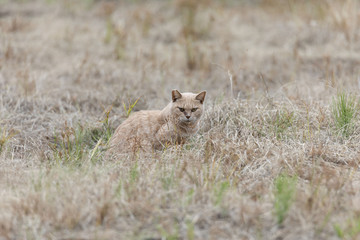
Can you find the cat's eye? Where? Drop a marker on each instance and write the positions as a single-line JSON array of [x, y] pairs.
[[194, 109], [181, 109]]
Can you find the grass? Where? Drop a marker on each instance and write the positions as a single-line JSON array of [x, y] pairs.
[[128, 109], [220, 191], [277, 153], [351, 229], [74, 145], [5, 137], [282, 122], [285, 189], [344, 111]]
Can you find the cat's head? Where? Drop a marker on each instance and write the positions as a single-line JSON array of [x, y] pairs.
[[187, 108]]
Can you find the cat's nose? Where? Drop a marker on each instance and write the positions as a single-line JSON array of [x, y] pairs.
[[187, 116]]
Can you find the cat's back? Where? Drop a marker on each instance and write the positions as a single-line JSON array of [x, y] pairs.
[[142, 120], [136, 130]]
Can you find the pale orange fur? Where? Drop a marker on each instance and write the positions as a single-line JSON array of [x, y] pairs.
[[155, 129]]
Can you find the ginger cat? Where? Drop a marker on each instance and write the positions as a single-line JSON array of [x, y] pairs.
[[155, 129]]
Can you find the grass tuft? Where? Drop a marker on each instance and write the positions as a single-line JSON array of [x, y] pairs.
[[134, 173], [351, 230], [69, 147], [285, 188], [128, 109], [344, 112], [76, 145], [339, 231], [5, 138], [220, 191], [282, 121]]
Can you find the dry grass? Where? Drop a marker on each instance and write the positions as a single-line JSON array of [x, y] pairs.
[[278, 153]]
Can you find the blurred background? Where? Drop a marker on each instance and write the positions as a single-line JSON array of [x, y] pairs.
[[74, 59]]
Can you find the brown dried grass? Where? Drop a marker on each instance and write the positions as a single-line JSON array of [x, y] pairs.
[[272, 117]]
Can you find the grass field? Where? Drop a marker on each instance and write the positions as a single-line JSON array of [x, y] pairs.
[[278, 153]]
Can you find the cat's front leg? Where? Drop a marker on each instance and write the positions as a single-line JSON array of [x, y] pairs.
[[164, 137]]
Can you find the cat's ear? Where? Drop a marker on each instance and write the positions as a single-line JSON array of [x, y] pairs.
[[175, 95], [201, 97]]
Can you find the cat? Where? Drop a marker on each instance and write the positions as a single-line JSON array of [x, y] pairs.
[[155, 129]]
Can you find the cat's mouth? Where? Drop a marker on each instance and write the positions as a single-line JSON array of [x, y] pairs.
[[187, 121]]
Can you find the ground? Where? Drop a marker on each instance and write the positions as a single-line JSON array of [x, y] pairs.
[[277, 156]]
